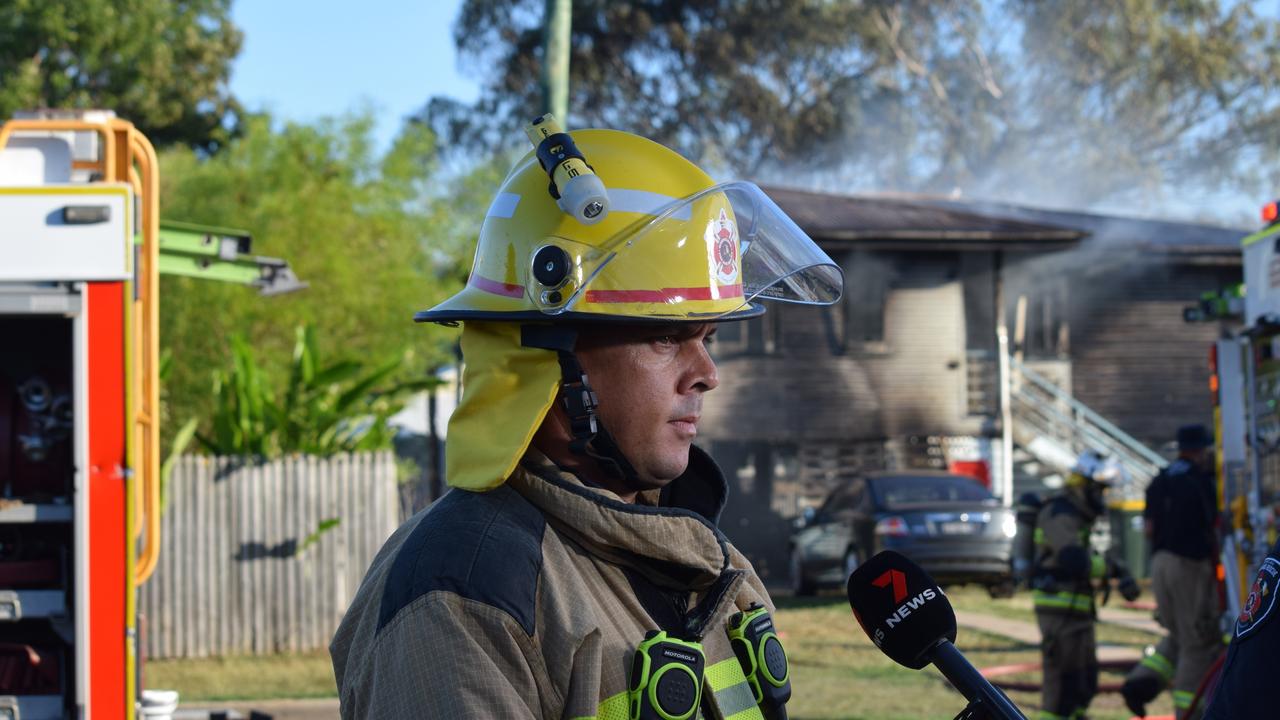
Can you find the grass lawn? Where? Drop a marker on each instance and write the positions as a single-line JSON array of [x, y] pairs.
[[268, 677], [837, 674]]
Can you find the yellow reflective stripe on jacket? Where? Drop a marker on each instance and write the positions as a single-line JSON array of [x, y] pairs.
[[724, 679], [1098, 567], [1182, 699], [733, 693], [1071, 602], [1159, 664], [613, 708]]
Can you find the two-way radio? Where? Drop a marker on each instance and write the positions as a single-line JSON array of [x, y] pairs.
[[763, 659], [666, 678]]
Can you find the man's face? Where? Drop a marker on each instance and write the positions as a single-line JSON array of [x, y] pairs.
[[1198, 457], [1203, 458], [650, 380]]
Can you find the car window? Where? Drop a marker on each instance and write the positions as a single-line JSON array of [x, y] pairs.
[[844, 500], [906, 490]]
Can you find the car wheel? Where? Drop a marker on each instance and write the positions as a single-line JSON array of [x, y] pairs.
[[801, 586], [851, 562]]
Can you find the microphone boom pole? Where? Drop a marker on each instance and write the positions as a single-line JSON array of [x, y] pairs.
[[962, 675]]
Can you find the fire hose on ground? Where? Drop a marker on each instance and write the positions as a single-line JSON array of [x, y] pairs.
[[1207, 683]]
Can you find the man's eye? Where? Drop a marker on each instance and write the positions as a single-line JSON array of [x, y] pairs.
[[666, 340]]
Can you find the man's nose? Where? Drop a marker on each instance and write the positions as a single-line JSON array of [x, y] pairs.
[[702, 375]]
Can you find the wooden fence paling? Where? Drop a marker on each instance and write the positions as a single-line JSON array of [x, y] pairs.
[[227, 583]]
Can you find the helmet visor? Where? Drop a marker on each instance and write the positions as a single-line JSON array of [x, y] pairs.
[[695, 258]]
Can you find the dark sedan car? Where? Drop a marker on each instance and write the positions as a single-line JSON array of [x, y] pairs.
[[949, 524]]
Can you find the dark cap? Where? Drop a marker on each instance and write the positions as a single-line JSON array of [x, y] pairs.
[[1194, 437]]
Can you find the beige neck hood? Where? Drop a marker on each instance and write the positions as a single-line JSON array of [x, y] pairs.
[[675, 543]]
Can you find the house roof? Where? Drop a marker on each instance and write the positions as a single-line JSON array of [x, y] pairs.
[[899, 224], [1107, 228], [1195, 243]]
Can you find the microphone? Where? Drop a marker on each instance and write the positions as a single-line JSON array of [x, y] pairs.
[[907, 616]]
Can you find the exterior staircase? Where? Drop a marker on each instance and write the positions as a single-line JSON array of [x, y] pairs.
[[1050, 428]]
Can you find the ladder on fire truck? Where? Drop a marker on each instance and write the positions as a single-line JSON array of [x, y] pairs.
[[82, 247]]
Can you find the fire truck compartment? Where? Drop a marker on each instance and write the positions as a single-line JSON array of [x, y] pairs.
[[36, 411], [30, 669]]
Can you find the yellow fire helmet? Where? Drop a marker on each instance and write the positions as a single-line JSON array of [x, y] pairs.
[[668, 244]]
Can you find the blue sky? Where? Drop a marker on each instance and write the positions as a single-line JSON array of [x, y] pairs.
[[305, 60]]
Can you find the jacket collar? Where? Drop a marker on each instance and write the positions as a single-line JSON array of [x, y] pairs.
[[675, 543]]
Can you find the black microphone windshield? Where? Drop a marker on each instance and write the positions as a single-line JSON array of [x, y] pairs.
[[900, 608]]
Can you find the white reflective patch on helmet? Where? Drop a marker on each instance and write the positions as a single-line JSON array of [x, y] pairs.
[[644, 202], [503, 205]]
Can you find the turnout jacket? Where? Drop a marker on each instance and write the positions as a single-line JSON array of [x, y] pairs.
[[1066, 566], [528, 601]]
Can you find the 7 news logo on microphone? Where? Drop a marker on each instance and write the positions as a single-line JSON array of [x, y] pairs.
[[898, 580]]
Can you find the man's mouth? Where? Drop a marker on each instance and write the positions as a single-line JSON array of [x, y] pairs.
[[687, 425]]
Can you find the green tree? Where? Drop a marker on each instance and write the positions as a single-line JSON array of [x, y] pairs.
[[371, 234], [161, 64], [322, 409], [1076, 100]]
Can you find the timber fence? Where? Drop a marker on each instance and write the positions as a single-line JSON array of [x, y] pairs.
[[237, 574]]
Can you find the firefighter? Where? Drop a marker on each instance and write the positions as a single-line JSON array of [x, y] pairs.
[[1178, 520], [1152, 674], [1063, 586], [576, 555], [1244, 690]]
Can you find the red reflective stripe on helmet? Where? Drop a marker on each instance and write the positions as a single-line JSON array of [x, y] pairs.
[[665, 295], [497, 288]]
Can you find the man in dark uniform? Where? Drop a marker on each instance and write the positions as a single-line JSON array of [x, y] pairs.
[[1246, 688], [1180, 511]]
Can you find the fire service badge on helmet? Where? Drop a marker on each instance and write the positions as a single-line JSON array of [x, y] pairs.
[[722, 237]]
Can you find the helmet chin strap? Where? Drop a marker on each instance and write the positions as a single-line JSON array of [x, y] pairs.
[[590, 438]]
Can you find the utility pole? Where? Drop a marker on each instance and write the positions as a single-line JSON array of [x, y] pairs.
[[555, 59]]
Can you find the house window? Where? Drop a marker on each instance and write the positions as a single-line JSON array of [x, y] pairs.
[[868, 279], [1044, 332], [757, 336], [764, 333]]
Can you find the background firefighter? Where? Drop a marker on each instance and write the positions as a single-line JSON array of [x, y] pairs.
[[1179, 515], [1063, 581]]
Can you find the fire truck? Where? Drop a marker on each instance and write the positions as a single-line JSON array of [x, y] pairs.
[[82, 247], [1245, 384]]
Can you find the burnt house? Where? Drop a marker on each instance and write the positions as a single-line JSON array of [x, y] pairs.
[[1131, 356], [903, 371]]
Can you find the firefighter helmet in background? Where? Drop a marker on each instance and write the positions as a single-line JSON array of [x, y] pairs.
[[1094, 466], [1092, 474], [672, 246]]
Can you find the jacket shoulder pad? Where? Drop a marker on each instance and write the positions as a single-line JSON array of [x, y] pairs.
[[485, 547]]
